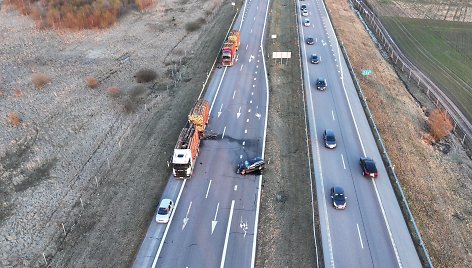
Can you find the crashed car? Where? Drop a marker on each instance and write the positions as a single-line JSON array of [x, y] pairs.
[[250, 165]]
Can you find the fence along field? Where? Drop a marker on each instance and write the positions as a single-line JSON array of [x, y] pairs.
[[437, 36]]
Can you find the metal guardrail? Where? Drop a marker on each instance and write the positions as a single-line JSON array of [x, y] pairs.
[[413, 228]]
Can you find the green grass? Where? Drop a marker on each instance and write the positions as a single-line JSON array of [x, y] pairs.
[[442, 49]]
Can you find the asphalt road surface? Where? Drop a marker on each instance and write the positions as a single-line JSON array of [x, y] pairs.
[[371, 231], [215, 220]]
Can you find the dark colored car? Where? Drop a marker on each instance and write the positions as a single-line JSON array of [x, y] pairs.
[[329, 138], [310, 41], [251, 165], [315, 59], [338, 197], [303, 7], [321, 84], [368, 167]]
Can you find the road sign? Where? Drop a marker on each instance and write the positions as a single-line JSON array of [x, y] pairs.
[[366, 72]]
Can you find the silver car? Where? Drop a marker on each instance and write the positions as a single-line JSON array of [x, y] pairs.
[[329, 138], [164, 211], [306, 22]]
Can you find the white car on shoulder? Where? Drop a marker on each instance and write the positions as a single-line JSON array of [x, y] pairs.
[[164, 211]]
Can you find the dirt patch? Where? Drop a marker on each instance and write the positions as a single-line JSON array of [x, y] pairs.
[[81, 175], [436, 181]]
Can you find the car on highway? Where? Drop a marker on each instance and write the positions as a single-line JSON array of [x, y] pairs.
[[164, 211], [321, 84], [306, 22], [310, 41], [329, 138], [251, 165], [338, 198], [315, 59], [368, 167], [305, 13], [303, 7]]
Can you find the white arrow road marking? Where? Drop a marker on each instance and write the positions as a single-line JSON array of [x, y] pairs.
[[186, 216], [244, 226], [234, 93], [250, 58], [214, 221], [342, 158], [219, 112], [238, 114], [258, 115], [209, 184]]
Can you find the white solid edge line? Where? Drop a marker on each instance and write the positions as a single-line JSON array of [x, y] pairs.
[[168, 225], [328, 232], [228, 228], [256, 220]]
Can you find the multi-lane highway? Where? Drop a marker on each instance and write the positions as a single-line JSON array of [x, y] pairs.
[[371, 231], [215, 220]]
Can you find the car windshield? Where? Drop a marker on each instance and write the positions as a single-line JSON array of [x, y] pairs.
[[339, 197], [321, 82], [162, 211], [330, 138], [370, 166]]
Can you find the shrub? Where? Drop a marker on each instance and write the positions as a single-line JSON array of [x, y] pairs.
[[113, 92], [77, 14], [145, 75], [91, 81], [40, 80], [14, 119], [143, 4], [18, 93], [136, 91], [194, 25], [440, 124], [129, 106]]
